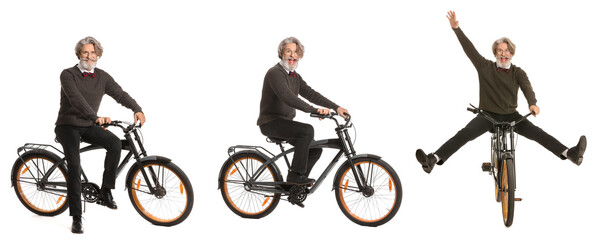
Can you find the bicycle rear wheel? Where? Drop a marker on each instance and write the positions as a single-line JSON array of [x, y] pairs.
[[380, 200], [235, 186], [47, 198], [507, 191], [172, 201]]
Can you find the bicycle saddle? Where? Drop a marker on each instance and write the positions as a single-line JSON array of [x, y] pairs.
[[56, 140], [278, 140]]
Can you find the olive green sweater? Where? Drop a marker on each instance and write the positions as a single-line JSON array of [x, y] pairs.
[[498, 91], [80, 97], [279, 97]]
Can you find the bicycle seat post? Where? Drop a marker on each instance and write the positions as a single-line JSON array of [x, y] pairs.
[[285, 157], [279, 142]]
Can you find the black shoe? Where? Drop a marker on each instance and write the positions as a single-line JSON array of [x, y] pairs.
[[106, 198], [77, 226], [427, 161], [575, 154], [296, 178]]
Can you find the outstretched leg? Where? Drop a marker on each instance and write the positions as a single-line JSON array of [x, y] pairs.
[[472, 130], [532, 132]]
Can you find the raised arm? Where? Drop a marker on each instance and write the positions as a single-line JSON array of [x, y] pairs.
[[468, 47], [452, 18]]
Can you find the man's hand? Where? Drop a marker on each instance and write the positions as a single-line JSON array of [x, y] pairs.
[[534, 109], [452, 17], [342, 111], [323, 111], [103, 120], [141, 117]]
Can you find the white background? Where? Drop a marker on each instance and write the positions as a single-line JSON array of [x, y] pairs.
[[197, 67]]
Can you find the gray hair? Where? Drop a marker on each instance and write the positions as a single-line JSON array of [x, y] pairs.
[[99, 50], [511, 46], [299, 47]]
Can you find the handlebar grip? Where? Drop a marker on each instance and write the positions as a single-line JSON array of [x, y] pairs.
[[317, 115], [473, 110], [347, 118], [111, 123]]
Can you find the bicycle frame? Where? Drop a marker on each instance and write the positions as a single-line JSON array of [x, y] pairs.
[[343, 143], [502, 132], [127, 144]]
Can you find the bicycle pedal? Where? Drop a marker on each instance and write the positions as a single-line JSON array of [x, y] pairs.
[[486, 167], [518, 199], [298, 204]]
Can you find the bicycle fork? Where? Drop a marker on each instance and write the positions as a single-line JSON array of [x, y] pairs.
[[350, 153]]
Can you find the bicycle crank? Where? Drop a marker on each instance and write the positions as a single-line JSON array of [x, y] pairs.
[[297, 194], [90, 192]]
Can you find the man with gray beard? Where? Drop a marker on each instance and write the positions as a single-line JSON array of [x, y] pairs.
[[499, 83], [82, 89], [279, 101]]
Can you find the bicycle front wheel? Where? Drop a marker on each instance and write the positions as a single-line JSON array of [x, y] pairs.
[[494, 156], [46, 197], [381, 197], [507, 191], [172, 199]]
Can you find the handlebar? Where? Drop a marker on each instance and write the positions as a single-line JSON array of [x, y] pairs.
[[477, 110], [125, 126], [332, 115]]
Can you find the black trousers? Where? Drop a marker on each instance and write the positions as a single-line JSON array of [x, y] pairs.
[[300, 136], [70, 137], [480, 125]]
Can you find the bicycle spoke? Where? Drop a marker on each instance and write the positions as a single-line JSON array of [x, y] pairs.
[[161, 207], [246, 201], [368, 208], [41, 200]]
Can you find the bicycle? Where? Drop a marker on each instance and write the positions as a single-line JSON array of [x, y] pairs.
[[367, 189], [158, 189], [502, 165]]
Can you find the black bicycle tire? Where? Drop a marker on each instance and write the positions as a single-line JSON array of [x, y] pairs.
[[187, 188], [16, 172], [227, 169], [495, 174], [508, 210], [345, 168]]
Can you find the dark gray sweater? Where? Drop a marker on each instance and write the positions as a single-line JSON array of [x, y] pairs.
[[80, 97], [279, 97], [498, 91]]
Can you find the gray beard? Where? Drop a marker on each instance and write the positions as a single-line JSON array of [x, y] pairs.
[[86, 66], [287, 67], [503, 65]]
